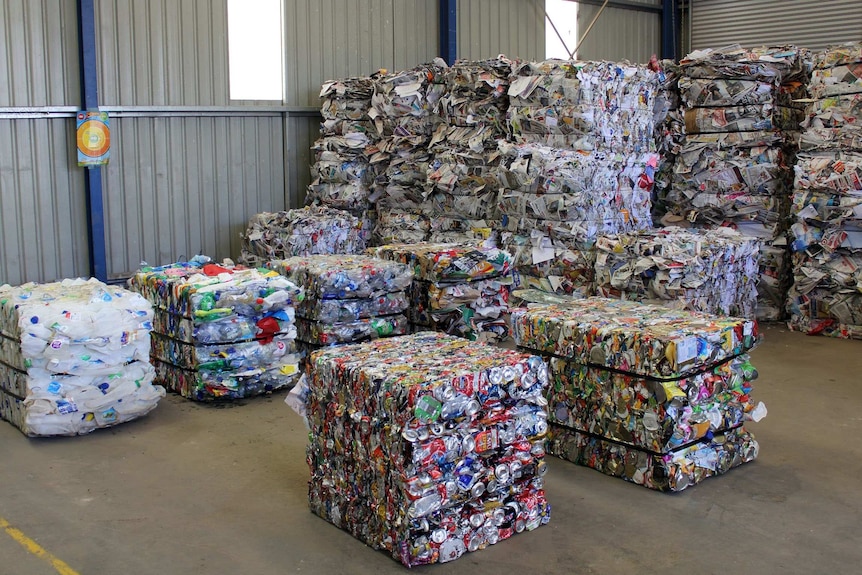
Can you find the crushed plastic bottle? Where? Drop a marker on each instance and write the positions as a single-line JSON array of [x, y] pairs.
[[74, 357]]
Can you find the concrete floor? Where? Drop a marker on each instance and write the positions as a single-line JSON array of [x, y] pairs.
[[222, 490]]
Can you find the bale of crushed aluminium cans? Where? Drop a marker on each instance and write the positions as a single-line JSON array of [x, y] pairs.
[[712, 271], [602, 191], [584, 105], [662, 472], [422, 459], [648, 414], [221, 332], [74, 357], [642, 383], [641, 339], [300, 232]]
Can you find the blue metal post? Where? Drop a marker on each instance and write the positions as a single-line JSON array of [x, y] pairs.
[[92, 175], [670, 29], [448, 30]]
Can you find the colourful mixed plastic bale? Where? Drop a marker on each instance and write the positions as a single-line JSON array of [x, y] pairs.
[[459, 289], [654, 395], [427, 446], [74, 357], [221, 332], [349, 298]]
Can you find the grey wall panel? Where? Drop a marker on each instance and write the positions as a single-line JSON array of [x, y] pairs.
[[162, 52], [328, 39], [301, 133], [515, 28], [812, 24], [43, 234], [38, 53], [619, 34], [181, 186]]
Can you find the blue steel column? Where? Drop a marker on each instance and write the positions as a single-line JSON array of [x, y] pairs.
[[670, 29], [92, 175], [448, 30]]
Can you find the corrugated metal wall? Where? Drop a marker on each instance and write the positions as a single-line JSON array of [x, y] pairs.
[[183, 178], [300, 134], [328, 39], [162, 52], [620, 34], [38, 53], [487, 28], [812, 24], [187, 185], [43, 234]]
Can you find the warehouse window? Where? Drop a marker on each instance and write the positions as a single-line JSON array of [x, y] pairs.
[[255, 50], [561, 28]]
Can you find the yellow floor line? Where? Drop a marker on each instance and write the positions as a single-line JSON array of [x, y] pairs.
[[31, 546]]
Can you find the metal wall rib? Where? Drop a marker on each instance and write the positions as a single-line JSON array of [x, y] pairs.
[[619, 34], [812, 24], [177, 187], [515, 28], [38, 53], [162, 52], [328, 39], [43, 235]]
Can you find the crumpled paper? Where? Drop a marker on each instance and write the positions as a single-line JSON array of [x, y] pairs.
[[605, 192], [584, 105], [712, 271], [301, 232], [826, 235]]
